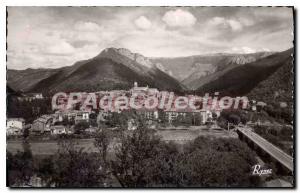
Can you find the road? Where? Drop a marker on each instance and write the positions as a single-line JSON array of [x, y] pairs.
[[268, 147]]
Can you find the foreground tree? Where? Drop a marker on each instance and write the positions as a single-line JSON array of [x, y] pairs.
[[20, 167], [75, 168], [101, 143]]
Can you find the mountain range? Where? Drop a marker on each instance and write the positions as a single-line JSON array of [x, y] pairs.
[[118, 68], [112, 69], [193, 71]]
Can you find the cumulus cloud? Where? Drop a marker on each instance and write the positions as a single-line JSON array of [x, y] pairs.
[[233, 24], [143, 23], [86, 26], [179, 18], [38, 37], [62, 48], [217, 21]]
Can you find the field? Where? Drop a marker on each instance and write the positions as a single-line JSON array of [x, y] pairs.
[[178, 135], [183, 134]]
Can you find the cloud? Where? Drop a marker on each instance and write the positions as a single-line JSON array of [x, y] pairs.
[[246, 21], [143, 23], [233, 24], [86, 26], [62, 48], [56, 37], [179, 18], [217, 21], [242, 50]]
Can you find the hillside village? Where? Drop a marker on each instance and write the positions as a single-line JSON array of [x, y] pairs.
[[140, 97], [63, 121], [54, 123]]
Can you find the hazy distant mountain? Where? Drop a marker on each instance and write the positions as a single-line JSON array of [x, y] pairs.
[[22, 80], [111, 69], [242, 79], [234, 74], [195, 71]]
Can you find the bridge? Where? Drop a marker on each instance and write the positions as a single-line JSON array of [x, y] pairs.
[[269, 148]]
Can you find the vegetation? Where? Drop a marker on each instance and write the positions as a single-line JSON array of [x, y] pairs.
[[233, 117], [80, 127], [29, 110], [277, 136], [141, 159]]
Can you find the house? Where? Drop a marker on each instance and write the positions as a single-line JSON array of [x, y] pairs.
[[37, 95], [103, 116], [131, 124], [58, 130], [14, 131], [15, 126], [91, 130], [42, 124], [82, 116], [15, 122], [137, 90], [205, 116], [58, 116], [148, 114], [32, 96], [260, 105], [198, 116]]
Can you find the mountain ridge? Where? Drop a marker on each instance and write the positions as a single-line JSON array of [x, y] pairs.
[[127, 67], [242, 79], [88, 75]]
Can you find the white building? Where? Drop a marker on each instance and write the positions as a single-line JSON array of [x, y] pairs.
[[82, 116], [15, 126], [58, 130], [173, 114], [15, 122]]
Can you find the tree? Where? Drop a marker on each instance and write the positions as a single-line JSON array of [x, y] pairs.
[[133, 157], [222, 122], [20, 168], [26, 132], [219, 163], [235, 119], [80, 127], [46, 170], [75, 168], [102, 142]]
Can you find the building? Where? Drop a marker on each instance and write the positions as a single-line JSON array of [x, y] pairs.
[[15, 126], [91, 130], [197, 116], [131, 124], [82, 116], [42, 124], [58, 130], [15, 122], [148, 114], [31, 97], [14, 131], [103, 116], [137, 90]]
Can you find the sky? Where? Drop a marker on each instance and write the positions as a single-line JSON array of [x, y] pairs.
[[52, 37]]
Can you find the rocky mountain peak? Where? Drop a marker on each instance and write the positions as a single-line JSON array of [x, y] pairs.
[[139, 58]]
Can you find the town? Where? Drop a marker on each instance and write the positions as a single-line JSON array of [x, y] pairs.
[[63, 121]]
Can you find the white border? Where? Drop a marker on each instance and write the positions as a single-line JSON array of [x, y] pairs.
[[5, 3]]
